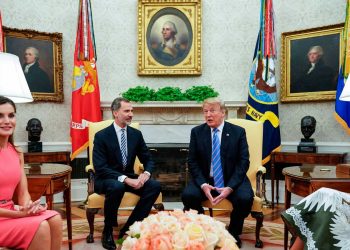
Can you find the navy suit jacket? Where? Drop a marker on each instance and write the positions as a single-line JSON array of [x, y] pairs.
[[107, 158], [38, 80], [321, 78], [234, 155]]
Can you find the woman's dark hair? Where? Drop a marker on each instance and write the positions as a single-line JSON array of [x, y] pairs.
[[4, 100]]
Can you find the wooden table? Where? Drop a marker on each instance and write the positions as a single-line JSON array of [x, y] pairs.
[[47, 157], [49, 179], [295, 158], [306, 179]]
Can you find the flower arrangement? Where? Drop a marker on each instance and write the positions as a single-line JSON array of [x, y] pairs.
[[178, 230]]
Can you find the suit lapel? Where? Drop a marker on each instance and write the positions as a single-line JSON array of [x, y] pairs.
[[130, 140], [207, 143], [112, 135], [224, 143]]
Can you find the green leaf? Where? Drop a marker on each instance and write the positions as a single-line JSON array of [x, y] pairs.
[[119, 241], [169, 94], [139, 94], [200, 93]]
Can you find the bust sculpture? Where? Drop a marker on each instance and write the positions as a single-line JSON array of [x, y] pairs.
[[34, 129], [308, 126]]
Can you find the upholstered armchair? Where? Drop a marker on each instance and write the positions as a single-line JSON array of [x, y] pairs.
[[254, 132], [96, 201]]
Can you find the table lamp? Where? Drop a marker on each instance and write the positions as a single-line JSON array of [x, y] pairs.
[[13, 84]]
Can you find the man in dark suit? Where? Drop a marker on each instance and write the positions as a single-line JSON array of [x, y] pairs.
[[114, 153], [218, 161]]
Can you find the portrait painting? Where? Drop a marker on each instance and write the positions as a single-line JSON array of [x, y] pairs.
[[310, 64], [169, 37], [40, 55]]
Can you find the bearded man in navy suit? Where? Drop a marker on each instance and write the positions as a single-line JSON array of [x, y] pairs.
[[114, 169], [234, 161]]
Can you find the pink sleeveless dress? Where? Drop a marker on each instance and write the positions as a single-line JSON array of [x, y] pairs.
[[15, 232]]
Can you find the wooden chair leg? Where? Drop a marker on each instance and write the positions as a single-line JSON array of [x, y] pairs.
[[259, 216], [90, 215], [211, 212], [159, 206]]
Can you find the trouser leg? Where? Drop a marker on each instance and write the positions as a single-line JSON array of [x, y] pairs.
[[114, 192], [192, 197], [148, 195], [242, 201]]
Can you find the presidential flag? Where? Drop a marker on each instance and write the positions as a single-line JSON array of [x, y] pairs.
[[85, 89], [342, 108], [262, 99]]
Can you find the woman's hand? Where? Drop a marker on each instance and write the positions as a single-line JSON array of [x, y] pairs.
[[37, 209], [33, 208]]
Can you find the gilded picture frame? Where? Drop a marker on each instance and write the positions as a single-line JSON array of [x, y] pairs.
[[169, 37], [310, 64], [40, 54]]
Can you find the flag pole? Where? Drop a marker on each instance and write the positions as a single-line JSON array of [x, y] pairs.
[[262, 95], [85, 88]]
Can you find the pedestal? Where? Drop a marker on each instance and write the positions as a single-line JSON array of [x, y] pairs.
[[307, 146], [35, 146]]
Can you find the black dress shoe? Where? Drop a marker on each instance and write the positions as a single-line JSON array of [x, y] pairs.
[[239, 242], [108, 240]]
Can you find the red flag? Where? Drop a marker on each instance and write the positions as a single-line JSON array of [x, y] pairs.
[[85, 89], [1, 36]]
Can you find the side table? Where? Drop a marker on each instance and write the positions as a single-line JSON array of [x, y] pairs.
[[295, 158], [47, 157], [49, 179]]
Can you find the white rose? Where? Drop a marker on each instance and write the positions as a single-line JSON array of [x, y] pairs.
[[180, 240], [129, 243], [135, 229]]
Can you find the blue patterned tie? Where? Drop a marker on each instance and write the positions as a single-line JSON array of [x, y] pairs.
[[216, 161], [123, 148]]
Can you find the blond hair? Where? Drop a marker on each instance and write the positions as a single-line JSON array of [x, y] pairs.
[[214, 100]]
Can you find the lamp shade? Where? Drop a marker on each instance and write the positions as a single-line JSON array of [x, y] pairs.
[[13, 84]]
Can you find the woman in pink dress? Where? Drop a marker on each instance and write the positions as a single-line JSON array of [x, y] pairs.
[[27, 225]]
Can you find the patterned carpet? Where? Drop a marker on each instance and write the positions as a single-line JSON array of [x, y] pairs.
[[271, 234]]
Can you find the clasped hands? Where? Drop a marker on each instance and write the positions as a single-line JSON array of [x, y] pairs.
[[223, 193], [32, 208], [139, 182]]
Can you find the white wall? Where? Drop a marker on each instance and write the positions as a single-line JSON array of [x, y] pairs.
[[229, 34]]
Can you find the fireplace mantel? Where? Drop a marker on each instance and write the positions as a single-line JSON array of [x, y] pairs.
[[180, 112]]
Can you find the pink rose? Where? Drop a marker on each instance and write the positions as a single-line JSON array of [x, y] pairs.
[[195, 245], [161, 242], [142, 244], [177, 213], [184, 221]]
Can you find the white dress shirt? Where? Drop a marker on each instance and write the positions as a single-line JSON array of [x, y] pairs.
[[118, 131]]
